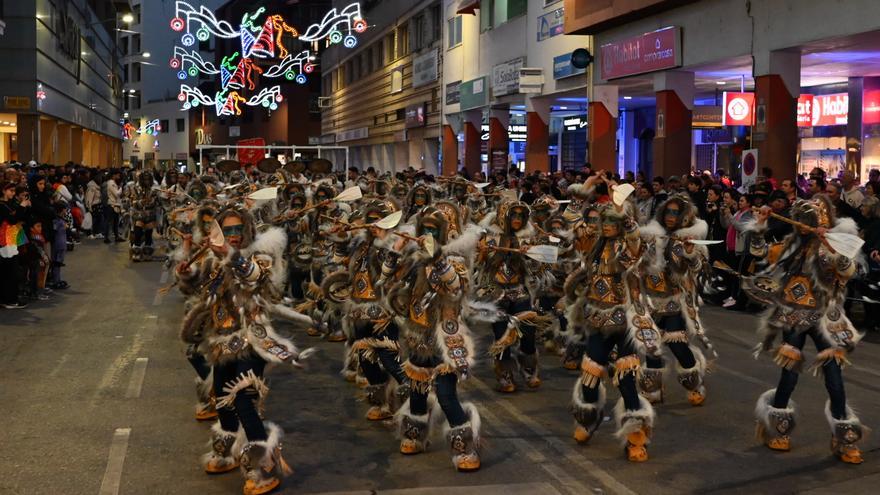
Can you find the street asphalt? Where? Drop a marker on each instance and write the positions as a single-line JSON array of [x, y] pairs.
[[97, 397]]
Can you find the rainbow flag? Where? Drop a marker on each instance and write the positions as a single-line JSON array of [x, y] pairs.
[[11, 237]]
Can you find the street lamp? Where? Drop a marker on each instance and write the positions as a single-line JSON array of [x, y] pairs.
[[146, 54], [128, 18]]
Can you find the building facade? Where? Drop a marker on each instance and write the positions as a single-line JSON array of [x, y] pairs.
[[63, 99], [382, 98], [511, 94], [712, 80], [151, 87]]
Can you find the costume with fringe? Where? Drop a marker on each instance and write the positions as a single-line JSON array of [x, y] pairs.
[[803, 285], [604, 301], [670, 266], [505, 279], [230, 323], [429, 299]]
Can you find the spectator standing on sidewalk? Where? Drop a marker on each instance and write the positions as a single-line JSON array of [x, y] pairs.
[[738, 239], [112, 206], [12, 236], [93, 205]]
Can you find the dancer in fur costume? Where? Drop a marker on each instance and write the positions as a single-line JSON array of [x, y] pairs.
[[804, 285], [429, 298], [503, 277], [371, 264], [670, 267], [144, 202], [604, 301], [238, 285]]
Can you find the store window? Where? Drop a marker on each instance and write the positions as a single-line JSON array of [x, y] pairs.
[[453, 32], [181, 125], [164, 124]]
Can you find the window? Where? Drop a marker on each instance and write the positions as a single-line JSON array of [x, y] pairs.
[[453, 31], [420, 35], [367, 61], [135, 44], [389, 48], [402, 42], [343, 82], [125, 73], [377, 56], [494, 13], [136, 72], [124, 45], [181, 125], [164, 124], [137, 14], [486, 9], [136, 102]]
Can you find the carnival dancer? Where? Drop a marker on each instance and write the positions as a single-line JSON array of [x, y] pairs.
[[375, 334], [603, 301], [430, 298], [144, 201], [239, 283], [670, 266], [503, 277], [804, 286]]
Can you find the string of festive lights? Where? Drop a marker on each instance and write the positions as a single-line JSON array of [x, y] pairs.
[[152, 128], [239, 72]]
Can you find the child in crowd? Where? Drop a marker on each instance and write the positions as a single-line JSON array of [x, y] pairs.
[[59, 246], [38, 262]]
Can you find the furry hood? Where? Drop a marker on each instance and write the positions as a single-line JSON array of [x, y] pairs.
[[465, 244]]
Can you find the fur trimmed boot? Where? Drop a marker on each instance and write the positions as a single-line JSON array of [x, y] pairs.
[[464, 440], [205, 409], [774, 424], [377, 397], [414, 430], [504, 370], [225, 446], [571, 357], [650, 382], [262, 465], [136, 252], [587, 416], [635, 428], [845, 434], [528, 365], [692, 378]]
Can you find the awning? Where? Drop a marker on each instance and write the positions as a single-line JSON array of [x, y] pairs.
[[468, 7]]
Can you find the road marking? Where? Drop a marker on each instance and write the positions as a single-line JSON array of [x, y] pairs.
[[137, 378], [605, 478], [113, 474]]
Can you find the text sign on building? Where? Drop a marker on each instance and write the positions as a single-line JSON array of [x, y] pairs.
[[871, 107], [453, 94], [739, 108], [415, 115], [805, 111], [830, 109], [425, 68], [706, 116], [515, 132], [562, 67], [574, 123], [474, 93], [551, 24], [351, 135], [17, 102], [505, 77], [657, 50]]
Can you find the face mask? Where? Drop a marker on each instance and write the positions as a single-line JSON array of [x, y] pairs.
[[233, 230], [432, 231]]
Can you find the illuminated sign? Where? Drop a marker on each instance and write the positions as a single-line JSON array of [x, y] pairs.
[[152, 128], [739, 109], [649, 52], [822, 110], [871, 107], [706, 116], [574, 123], [514, 132], [261, 37]]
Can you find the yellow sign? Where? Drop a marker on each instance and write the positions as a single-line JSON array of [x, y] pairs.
[[17, 102]]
